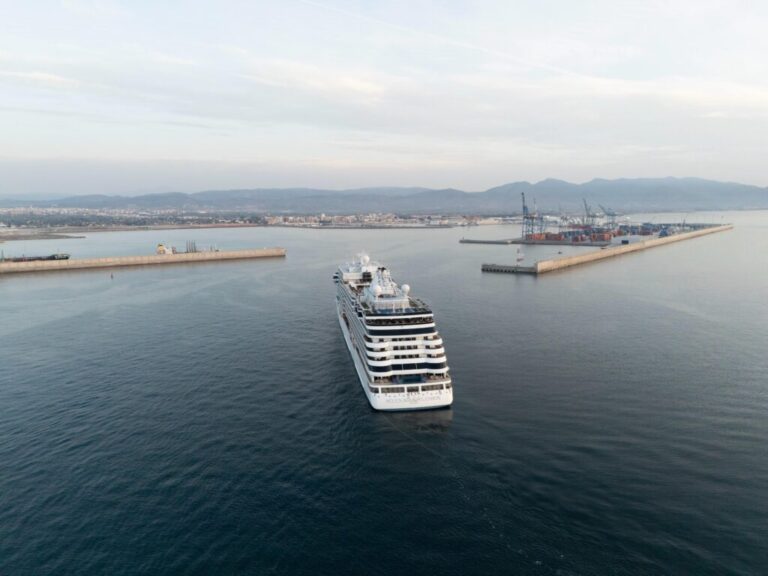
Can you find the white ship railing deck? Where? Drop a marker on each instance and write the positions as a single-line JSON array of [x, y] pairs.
[[416, 307]]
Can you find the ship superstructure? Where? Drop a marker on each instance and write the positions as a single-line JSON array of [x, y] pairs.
[[397, 351]]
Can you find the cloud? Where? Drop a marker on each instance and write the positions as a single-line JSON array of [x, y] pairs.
[[517, 57], [40, 78], [316, 80], [468, 89], [170, 60], [95, 8]]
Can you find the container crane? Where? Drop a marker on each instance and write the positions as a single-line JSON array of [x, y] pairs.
[[589, 216], [532, 222], [610, 214]]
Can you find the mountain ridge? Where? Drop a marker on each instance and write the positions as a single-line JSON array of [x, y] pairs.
[[624, 194]]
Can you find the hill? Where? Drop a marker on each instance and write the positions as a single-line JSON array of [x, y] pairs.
[[639, 194]]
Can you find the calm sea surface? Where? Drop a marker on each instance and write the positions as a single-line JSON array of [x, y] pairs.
[[207, 419]]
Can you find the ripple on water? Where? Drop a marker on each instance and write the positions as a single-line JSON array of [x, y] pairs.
[[209, 420]]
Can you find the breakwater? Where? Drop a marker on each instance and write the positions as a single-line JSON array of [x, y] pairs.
[[509, 269], [585, 244], [149, 260], [503, 241], [543, 266]]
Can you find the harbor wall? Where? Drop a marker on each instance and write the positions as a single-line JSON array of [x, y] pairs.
[[507, 269], [120, 261], [559, 263]]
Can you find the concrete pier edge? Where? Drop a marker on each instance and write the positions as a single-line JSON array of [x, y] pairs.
[[149, 260], [544, 266]]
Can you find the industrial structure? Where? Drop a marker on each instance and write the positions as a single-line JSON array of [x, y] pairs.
[[589, 229], [592, 228], [544, 266], [533, 222]]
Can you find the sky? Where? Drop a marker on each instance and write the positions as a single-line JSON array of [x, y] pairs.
[[119, 97]]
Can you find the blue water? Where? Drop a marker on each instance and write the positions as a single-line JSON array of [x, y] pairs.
[[207, 419]]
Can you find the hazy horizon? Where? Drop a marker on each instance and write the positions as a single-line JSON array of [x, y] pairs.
[[109, 97], [53, 197]]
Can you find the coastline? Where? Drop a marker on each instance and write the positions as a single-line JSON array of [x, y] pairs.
[[67, 232], [36, 236]]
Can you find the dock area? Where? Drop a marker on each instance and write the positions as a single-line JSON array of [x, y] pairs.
[[529, 242], [585, 243], [502, 241], [543, 266], [149, 260]]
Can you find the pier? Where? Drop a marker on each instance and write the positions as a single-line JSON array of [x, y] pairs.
[[544, 266], [502, 241], [586, 243], [509, 269], [150, 260]]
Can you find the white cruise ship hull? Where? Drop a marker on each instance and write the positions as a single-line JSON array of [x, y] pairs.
[[421, 400]]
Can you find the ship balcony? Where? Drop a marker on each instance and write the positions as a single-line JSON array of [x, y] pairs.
[[414, 353], [417, 346], [403, 343], [399, 379], [407, 346], [398, 321], [401, 329], [406, 364]]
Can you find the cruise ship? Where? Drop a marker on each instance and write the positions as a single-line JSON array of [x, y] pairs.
[[391, 335]]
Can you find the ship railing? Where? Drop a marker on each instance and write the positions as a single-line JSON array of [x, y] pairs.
[[398, 321]]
